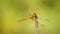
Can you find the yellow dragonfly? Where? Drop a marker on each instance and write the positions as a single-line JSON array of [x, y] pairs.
[[34, 17]]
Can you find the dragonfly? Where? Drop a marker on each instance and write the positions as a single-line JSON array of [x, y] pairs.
[[34, 17]]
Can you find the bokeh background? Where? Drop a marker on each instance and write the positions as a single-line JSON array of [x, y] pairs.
[[11, 11]]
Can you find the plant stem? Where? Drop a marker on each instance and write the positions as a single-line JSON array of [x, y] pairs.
[[36, 24]]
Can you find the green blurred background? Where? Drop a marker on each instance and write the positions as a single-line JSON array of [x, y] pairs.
[[13, 10]]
